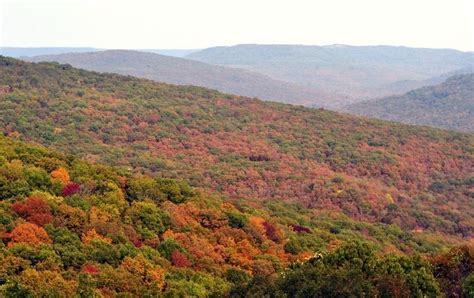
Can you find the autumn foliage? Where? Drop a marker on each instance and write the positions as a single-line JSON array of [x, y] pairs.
[[90, 269], [35, 210], [179, 259], [69, 189], [414, 177], [221, 196], [29, 233], [60, 175], [93, 235]]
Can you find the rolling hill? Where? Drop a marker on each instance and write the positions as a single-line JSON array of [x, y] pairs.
[[358, 72], [181, 71], [448, 105], [417, 178]]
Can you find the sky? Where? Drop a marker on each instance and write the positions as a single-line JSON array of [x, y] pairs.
[[181, 24]]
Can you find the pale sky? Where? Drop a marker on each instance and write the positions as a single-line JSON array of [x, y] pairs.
[[203, 23]]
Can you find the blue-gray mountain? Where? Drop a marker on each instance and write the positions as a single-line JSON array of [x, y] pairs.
[[447, 105], [358, 72]]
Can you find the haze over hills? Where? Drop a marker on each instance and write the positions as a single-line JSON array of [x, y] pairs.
[[414, 84], [189, 72], [246, 148], [317, 76], [17, 52], [359, 72], [171, 52], [448, 105]]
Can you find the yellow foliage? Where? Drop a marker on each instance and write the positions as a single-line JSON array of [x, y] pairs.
[[143, 269], [47, 283], [10, 265], [103, 214], [47, 197], [72, 217], [93, 235], [389, 198]]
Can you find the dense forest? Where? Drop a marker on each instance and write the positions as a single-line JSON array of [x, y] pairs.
[[69, 228], [447, 105], [418, 178], [218, 195]]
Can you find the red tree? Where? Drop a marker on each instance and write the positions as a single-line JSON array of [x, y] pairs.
[[271, 231], [35, 210], [179, 259], [91, 269], [70, 189]]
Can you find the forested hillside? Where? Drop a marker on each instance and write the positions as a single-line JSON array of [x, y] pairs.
[[448, 105], [417, 178], [358, 72], [182, 71], [218, 195], [69, 228]]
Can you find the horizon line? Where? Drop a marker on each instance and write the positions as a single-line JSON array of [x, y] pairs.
[[234, 45]]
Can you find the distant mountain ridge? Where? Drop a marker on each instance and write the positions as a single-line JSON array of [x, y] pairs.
[[359, 72], [171, 52], [17, 52], [448, 105], [189, 72]]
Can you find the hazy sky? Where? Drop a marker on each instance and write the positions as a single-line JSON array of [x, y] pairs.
[[204, 23]]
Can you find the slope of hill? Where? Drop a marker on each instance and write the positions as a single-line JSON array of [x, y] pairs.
[[417, 178], [189, 72], [357, 72], [448, 105], [69, 228]]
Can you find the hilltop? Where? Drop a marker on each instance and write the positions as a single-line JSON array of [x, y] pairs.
[[182, 71], [357, 72], [418, 178], [448, 105]]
